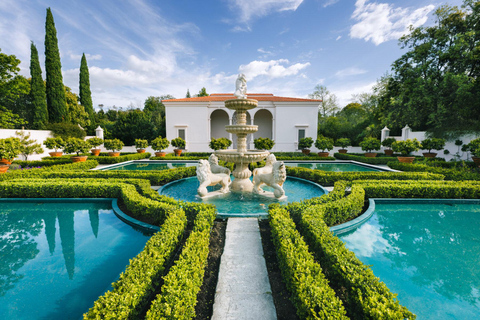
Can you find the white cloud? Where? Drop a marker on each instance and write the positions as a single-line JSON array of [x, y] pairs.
[[329, 3], [344, 93], [258, 8], [89, 57], [338, 38], [380, 22], [349, 72], [271, 69]]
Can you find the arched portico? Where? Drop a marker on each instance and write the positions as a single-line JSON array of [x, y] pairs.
[[264, 120], [218, 120]]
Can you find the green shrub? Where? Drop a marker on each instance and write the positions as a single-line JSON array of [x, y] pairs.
[[158, 144], [66, 130], [343, 143], [432, 144], [379, 159], [263, 143], [305, 143], [474, 147], [406, 147], [310, 291], [10, 148], [219, 144], [75, 145], [456, 174], [54, 143], [324, 144], [369, 144], [95, 142], [387, 143], [178, 143], [113, 144], [141, 143]]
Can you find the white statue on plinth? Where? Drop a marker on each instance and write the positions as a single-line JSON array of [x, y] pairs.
[[273, 174], [207, 178], [241, 87], [215, 167]]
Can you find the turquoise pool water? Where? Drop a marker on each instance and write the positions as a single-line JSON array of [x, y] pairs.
[[428, 253], [242, 204], [333, 166], [56, 259], [151, 165]]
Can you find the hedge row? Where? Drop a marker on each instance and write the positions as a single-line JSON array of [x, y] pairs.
[[105, 159], [364, 296], [361, 158], [456, 174], [134, 290], [326, 178], [19, 174], [178, 295], [310, 290], [420, 189], [41, 163]]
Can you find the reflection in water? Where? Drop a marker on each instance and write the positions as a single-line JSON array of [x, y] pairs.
[[425, 252], [332, 167], [40, 279]]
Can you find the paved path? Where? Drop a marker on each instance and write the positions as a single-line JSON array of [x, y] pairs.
[[243, 289]]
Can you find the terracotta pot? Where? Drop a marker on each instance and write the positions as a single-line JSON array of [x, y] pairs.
[[342, 151], [140, 150], [370, 154], [114, 154], [388, 152], [476, 160], [306, 151], [406, 159], [79, 158], [5, 162], [429, 154], [55, 154], [3, 168], [160, 154], [323, 154], [95, 152], [178, 152]]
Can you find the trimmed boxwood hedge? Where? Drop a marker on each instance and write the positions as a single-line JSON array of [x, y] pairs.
[[379, 159], [456, 174], [310, 290]]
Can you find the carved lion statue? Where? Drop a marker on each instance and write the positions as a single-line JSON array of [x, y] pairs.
[[273, 174], [215, 167], [207, 178]]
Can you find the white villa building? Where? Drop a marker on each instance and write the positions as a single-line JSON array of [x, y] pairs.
[[284, 120]]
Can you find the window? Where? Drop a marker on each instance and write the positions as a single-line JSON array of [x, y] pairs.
[[301, 134], [181, 134]]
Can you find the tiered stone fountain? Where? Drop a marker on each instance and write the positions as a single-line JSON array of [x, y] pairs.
[[241, 156]]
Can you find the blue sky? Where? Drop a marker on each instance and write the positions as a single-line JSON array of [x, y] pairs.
[[141, 48]]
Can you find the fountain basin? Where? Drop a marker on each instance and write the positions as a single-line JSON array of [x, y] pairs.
[[241, 129], [241, 104], [246, 157]]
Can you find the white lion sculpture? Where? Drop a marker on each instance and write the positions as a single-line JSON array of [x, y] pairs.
[[273, 174], [215, 167], [207, 178]]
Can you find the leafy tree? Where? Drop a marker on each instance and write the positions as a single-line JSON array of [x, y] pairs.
[[84, 90], [76, 112], [434, 85], [27, 145], [15, 96], [202, 93], [328, 106], [188, 94], [57, 108], [131, 125], [9, 120], [8, 67], [37, 92]]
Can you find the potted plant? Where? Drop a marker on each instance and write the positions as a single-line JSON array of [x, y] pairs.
[[324, 145], [141, 145], [432, 144], [220, 143], [405, 148], [94, 143], [369, 144], [343, 143], [77, 145], [115, 145], [27, 145], [305, 144], [158, 144], [179, 144], [9, 149], [474, 147], [387, 143], [263, 143], [55, 144]]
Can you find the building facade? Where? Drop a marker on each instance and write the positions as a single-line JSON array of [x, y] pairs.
[[284, 120]]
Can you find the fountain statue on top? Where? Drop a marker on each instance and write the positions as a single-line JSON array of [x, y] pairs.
[[273, 174]]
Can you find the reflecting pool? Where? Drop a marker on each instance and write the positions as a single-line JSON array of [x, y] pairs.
[[335, 166], [57, 258], [427, 252]]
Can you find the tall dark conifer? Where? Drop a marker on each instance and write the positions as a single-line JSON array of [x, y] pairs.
[[57, 108], [85, 93], [39, 110]]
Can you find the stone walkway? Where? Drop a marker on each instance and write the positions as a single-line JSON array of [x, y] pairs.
[[243, 289]]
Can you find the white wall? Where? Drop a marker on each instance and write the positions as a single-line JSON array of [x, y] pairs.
[[38, 135]]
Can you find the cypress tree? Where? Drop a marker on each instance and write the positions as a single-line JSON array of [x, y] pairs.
[[85, 93], [57, 107], [37, 92]]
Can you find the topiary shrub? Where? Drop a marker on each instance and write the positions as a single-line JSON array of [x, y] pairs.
[[263, 143], [158, 144], [95, 142], [54, 143], [76, 145], [178, 143], [220, 143], [369, 144], [141, 143], [433, 144], [113, 144], [324, 144], [406, 147]]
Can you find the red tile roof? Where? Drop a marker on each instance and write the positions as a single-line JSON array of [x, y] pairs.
[[256, 96]]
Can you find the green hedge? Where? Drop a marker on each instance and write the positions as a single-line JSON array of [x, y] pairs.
[[379, 159], [310, 290], [364, 296], [38, 172], [455, 174], [105, 159], [421, 189], [41, 163], [136, 286], [326, 178], [178, 295]]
